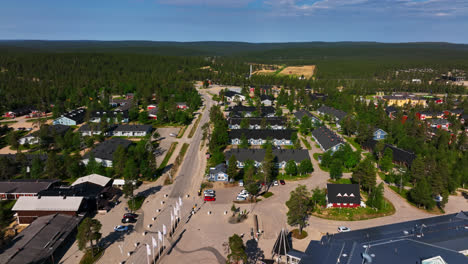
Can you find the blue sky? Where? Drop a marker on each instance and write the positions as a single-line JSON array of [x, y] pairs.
[[236, 20]]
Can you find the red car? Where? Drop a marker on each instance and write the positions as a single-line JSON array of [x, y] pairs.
[[282, 182], [209, 199]]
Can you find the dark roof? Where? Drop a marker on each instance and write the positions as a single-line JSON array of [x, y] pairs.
[[40, 240], [25, 185], [23, 110], [266, 97], [86, 189], [326, 138], [399, 155], [457, 111], [431, 113], [281, 155], [390, 109], [77, 115], [230, 93], [219, 168], [106, 149], [301, 113], [58, 129], [281, 121], [134, 128], [406, 242], [261, 133], [332, 111], [109, 114], [438, 121], [239, 109], [343, 193], [28, 157], [97, 127], [317, 96]]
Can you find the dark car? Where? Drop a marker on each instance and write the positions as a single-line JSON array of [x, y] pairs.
[[126, 220], [130, 215], [282, 182]]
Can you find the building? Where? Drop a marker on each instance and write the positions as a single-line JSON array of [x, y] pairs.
[[267, 100], [379, 134], [132, 130], [344, 195], [103, 152], [18, 112], [53, 130], [218, 173], [72, 118], [182, 105], [94, 129], [250, 111], [455, 112], [121, 104], [232, 96], [13, 189], [274, 123], [261, 136], [327, 139], [401, 99], [113, 116], [336, 114], [429, 114], [29, 209], [400, 156], [282, 156], [438, 123], [24, 160], [301, 113], [153, 113], [435, 240], [317, 96], [43, 241]]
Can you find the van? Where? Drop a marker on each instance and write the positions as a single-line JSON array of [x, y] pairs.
[[241, 183]]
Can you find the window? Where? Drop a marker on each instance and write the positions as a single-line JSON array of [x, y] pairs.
[[345, 195], [351, 195], [338, 195]]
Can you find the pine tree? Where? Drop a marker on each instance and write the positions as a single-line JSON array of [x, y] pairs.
[[237, 248], [299, 206], [421, 194], [88, 231], [232, 167]]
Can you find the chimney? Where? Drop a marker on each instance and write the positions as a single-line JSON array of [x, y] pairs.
[[64, 197]]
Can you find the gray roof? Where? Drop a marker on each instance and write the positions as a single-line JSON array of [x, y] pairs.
[[133, 128], [301, 113], [239, 109], [92, 127], [326, 138], [109, 113], [25, 186], [39, 240], [242, 155], [218, 169], [48, 203], [77, 115], [261, 133], [258, 120], [406, 242], [106, 149], [332, 111]]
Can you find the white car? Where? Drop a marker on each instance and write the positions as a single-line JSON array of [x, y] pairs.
[[172, 135], [241, 198], [275, 183], [342, 229], [209, 192], [244, 191], [241, 183], [245, 195], [121, 228]]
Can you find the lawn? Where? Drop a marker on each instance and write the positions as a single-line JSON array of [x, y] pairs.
[[405, 195], [8, 122], [88, 256], [136, 203], [182, 132], [168, 155], [355, 214], [353, 142], [194, 127], [42, 119], [340, 181], [306, 143], [295, 234], [183, 150], [284, 176], [267, 194]]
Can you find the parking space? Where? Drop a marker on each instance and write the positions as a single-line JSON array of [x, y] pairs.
[[165, 141]]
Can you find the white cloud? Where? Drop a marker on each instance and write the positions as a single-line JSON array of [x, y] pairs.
[[214, 3]]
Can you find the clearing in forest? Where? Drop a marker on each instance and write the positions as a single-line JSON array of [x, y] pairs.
[[306, 70]]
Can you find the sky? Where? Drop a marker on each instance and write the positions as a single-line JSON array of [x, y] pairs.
[[236, 20]]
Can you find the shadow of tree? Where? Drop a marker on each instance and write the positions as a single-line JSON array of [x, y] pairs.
[[149, 191], [254, 253], [115, 237]]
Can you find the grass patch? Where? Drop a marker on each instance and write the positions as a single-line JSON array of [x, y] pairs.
[[88, 257], [42, 119], [194, 127], [267, 195], [183, 150], [8, 122], [284, 176], [306, 143], [168, 155], [355, 214], [136, 202], [182, 132], [340, 181], [295, 233], [353, 143]]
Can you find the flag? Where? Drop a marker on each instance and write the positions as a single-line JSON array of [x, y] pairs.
[[180, 201], [164, 230], [148, 250], [172, 217], [155, 243], [160, 236]]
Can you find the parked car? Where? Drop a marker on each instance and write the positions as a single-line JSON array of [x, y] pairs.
[[127, 220], [275, 183], [245, 195], [343, 229], [209, 191], [282, 182], [244, 191], [210, 195], [241, 183], [173, 135], [130, 215], [121, 228], [209, 199], [241, 198]]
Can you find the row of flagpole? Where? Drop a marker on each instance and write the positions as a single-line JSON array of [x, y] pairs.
[[175, 218]]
